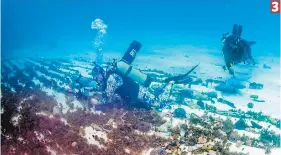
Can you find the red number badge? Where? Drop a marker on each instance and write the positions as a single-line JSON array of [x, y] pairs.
[[275, 6]]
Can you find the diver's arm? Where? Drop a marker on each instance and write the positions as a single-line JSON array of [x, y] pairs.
[[251, 59], [113, 82], [165, 95]]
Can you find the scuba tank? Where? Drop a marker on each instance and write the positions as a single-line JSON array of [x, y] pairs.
[[133, 73], [125, 69], [131, 52]]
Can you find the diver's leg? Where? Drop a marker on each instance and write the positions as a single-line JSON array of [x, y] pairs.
[[145, 96], [250, 57], [228, 65], [239, 30], [226, 51], [167, 92], [154, 100]]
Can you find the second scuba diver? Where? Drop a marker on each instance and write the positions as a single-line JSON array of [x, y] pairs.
[[235, 49], [121, 80]]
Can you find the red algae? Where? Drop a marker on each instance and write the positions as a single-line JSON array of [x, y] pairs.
[[38, 134]]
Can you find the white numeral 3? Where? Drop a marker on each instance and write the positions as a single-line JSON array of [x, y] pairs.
[[275, 6]]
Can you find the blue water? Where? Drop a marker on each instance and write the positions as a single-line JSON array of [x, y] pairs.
[[65, 25], [175, 36]]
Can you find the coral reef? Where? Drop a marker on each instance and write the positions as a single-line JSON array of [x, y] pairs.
[[270, 138], [256, 125], [226, 102], [250, 105], [265, 66], [255, 85], [179, 113], [223, 87], [228, 126], [241, 124], [40, 114], [39, 132]]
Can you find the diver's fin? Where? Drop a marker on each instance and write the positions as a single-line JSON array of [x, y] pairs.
[[234, 29], [239, 30], [250, 43], [186, 80], [180, 77]]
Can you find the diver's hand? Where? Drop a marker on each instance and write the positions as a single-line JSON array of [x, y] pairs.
[[111, 67]]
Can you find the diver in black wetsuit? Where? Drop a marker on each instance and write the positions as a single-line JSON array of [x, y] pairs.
[[235, 49], [120, 79]]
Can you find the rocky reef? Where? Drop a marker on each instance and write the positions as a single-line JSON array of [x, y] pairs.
[[39, 115]]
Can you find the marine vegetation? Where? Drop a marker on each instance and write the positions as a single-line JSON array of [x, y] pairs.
[[40, 114]]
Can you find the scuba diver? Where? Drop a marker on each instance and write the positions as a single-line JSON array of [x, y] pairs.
[[121, 80], [235, 49]]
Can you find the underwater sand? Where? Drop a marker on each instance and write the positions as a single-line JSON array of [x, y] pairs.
[[208, 69]]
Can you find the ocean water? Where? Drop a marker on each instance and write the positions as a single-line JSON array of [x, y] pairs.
[[46, 44]]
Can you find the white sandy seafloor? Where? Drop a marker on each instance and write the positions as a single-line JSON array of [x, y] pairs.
[[181, 59]]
